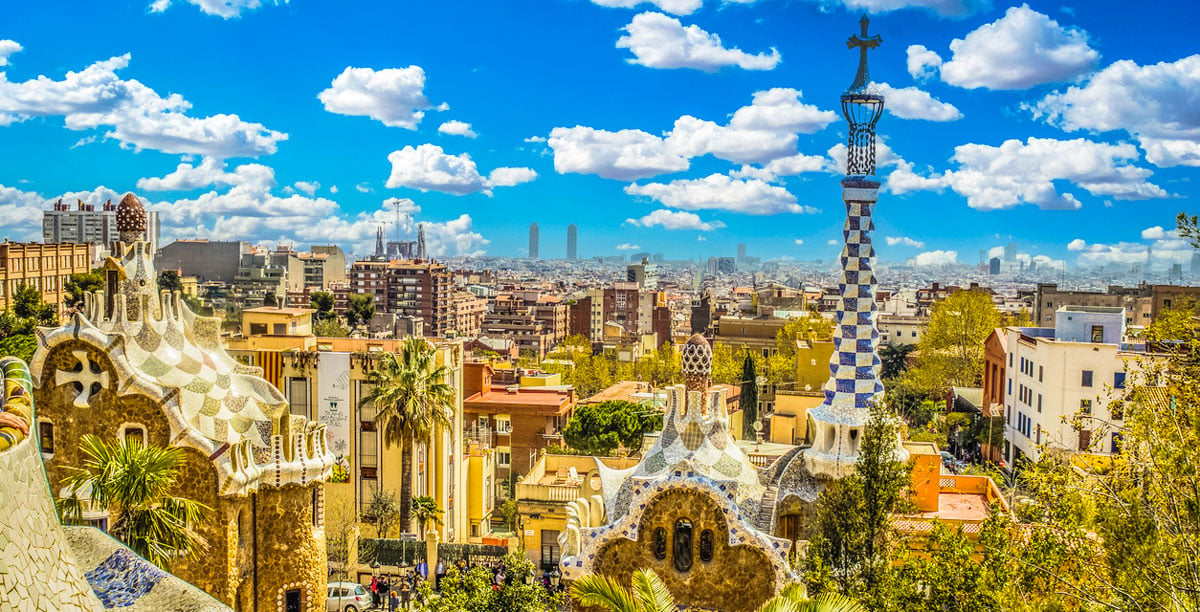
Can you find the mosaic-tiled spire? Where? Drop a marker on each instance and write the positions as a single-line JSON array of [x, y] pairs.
[[854, 385]]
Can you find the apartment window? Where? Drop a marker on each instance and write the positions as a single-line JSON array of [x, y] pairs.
[[1097, 333], [503, 458], [1010, 360], [1040, 373], [298, 396], [1117, 410], [1119, 380], [1116, 443], [258, 329], [1085, 406], [503, 425], [1039, 402], [1086, 379], [1010, 386]]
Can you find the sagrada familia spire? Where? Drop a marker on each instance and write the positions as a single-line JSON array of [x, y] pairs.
[[839, 422]]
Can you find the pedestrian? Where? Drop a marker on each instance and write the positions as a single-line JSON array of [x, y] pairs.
[[405, 594], [393, 602], [374, 589]]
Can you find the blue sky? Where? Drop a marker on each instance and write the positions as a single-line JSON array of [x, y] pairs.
[[674, 126]]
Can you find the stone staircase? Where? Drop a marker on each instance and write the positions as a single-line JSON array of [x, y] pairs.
[[765, 522]]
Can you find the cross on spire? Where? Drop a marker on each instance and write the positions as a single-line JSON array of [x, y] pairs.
[[864, 43]]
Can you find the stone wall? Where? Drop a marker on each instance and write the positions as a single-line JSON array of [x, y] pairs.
[[738, 578], [103, 416], [291, 547]]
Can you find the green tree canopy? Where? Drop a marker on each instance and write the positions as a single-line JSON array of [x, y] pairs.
[[322, 302], [598, 429], [360, 310], [79, 284], [169, 280], [953, 341], [748, 399]]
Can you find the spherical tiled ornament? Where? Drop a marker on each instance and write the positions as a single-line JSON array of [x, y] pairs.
[[131, 216], [697, 357]]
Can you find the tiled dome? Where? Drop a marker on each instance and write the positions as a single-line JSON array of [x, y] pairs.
[[131, 216], [697, 356]]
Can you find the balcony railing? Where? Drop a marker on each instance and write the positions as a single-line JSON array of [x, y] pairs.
[[565, 493]]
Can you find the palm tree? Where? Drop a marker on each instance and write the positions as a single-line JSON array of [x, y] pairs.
[[133, 482], [794, 598], [648, 594], [412, 398], [425, 509]]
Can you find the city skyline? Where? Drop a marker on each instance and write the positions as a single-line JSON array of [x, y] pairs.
[[649, 145]]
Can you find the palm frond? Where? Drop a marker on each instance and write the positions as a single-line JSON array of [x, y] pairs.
[[652, 594], [831, 602], [780, 604], [604, 592]]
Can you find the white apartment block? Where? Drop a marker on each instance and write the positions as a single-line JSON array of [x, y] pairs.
[[1061, 380], [85, 223]]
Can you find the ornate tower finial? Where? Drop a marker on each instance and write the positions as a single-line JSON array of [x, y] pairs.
[[861, 108], [864, 43], [131, 219]]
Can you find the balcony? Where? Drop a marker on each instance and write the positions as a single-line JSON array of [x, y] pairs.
[[565, 493]]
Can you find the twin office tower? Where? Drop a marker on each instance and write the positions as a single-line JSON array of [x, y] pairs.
[[572, 242]]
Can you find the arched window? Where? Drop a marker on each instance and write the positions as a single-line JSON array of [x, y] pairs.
[[706, 545], [683, 545], [660, 543]]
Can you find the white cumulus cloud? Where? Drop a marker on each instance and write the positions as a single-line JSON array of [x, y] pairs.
[[1021, 49], [661, 41], [676, 7], [905, 241], [675, 220], [625, 246], [1018, 172], [1155, 103], [764, 130], [428, 168], [721, 192], [798, 241], [934, 258], [914, 103], [455, 127], [922, 63], [225, 9], [136, 115], [393, 96], [7, 48], [624, 155], [943, 8]]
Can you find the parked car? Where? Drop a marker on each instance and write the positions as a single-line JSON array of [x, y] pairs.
[[347, 597]]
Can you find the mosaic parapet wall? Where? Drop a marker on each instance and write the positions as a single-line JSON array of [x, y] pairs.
[[45, 567]]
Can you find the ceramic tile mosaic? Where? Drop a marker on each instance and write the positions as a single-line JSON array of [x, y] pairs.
[[45, 567]]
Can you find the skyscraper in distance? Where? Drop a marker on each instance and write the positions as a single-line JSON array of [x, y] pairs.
[[572, 242], [533, 241]]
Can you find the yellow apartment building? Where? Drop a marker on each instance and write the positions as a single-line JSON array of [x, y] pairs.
[[325, 379], [45, 267]]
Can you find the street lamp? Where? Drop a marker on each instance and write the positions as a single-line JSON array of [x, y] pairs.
[[555, 578]]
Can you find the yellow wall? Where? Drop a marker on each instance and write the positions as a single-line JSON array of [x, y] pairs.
[[481, 486], [789, 424], [294, 323], [545, 380]]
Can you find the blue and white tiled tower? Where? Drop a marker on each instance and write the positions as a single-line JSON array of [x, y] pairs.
[[837, 425]]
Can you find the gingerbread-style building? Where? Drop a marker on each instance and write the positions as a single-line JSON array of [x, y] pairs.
[[137, 362]]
